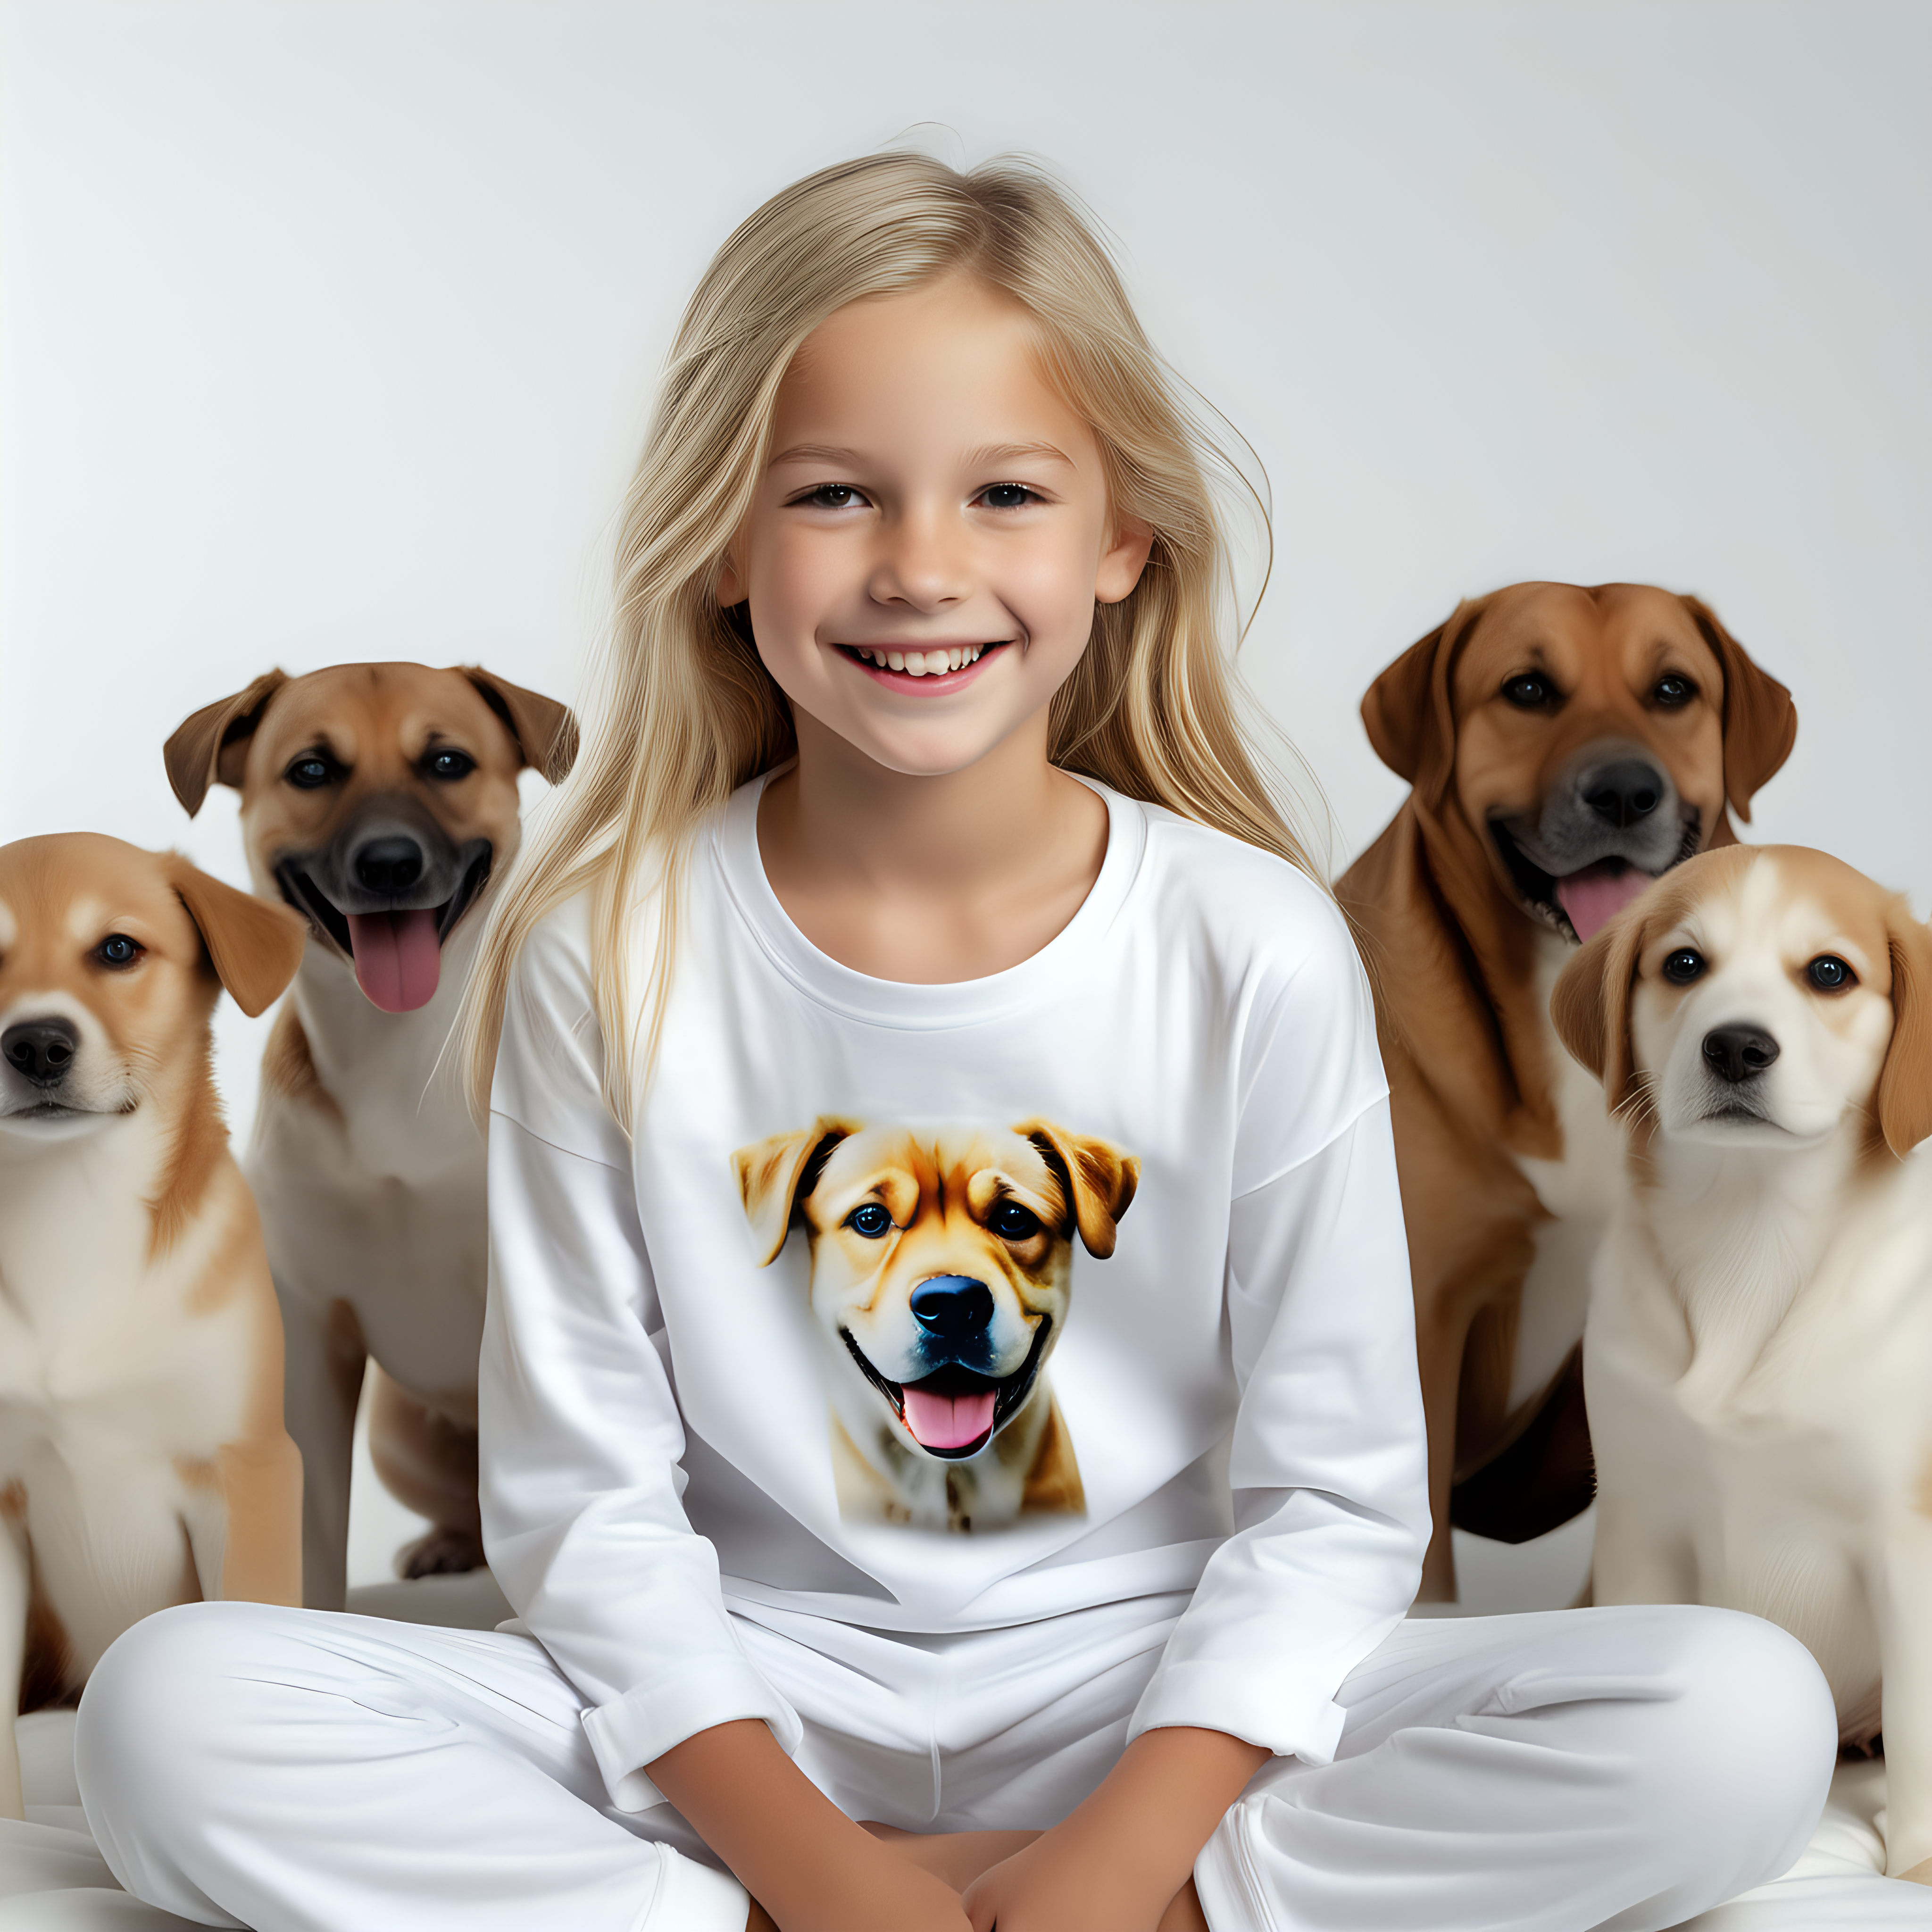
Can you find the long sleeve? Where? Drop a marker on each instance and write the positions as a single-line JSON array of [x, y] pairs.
[[580, 1483], [1328, 1461]]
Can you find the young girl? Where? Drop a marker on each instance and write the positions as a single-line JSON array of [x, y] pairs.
[[949, 1362]]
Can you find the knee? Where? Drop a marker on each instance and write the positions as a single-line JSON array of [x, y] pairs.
[[155, 1715], [1754, 1725]]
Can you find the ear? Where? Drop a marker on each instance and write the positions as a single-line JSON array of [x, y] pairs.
[[1100, 1176], [1760, 721], [254, 945], [1410, 718], [212, 747], [1590, 1007], [773, 1175], [545, 732], [1905, 1083]]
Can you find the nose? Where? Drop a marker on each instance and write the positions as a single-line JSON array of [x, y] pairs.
[[952, 1307], [389, 865], [1623, 792], [920, 567], [1735, 1053], [42, 1050]]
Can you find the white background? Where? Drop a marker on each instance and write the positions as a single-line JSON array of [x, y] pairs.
[[328, 331]]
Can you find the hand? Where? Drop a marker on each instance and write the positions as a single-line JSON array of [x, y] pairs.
[[891, 1894], [1056, 1885], [808, 1867], [1123, 1860]]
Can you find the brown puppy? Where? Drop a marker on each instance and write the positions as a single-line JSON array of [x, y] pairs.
[[941, 1273], [1565, 746], [380, 801], [142, 1458]]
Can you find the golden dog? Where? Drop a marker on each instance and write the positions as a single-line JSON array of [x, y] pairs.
[[380, 802], [941, 1268], [1564, 746], [142, 1458]]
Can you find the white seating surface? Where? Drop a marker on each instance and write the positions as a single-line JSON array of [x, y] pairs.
[[52, 1880]]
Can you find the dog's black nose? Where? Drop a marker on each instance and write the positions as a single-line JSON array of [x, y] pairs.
[[1736, 1052], [43, 1050], [1623, 792], [389, 865], [952, 1307]]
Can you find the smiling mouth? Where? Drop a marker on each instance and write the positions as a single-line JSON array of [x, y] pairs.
[[954, 1413], [303, 893], [1578, 905], [939, 660]]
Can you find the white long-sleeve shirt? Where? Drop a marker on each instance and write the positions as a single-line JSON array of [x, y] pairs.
[[671, 1424]]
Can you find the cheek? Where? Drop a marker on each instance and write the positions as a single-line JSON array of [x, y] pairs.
[[1695, 759], [1657, 1026], [1856, 1038], [1496, 770]]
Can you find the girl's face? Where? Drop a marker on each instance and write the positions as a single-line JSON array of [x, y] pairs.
[[931, 532]]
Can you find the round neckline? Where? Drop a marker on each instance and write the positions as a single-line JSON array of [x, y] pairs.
[[908, 1004]]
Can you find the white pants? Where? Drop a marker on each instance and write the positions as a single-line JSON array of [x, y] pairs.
[[1621, 1768]]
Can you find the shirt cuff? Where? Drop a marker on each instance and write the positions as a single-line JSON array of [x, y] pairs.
[[1215, 1697], [638, 1728]]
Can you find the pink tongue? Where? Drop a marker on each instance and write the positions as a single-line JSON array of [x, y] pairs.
[[397, 957], [948, 1421], [1595, 895]]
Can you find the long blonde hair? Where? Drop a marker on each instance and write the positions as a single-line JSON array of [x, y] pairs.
[[687, 713]]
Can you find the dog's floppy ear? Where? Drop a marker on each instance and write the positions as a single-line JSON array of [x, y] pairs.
[[773, 1175], [254, 945], [1905, 1084], [212, 747], [1590, 1007], [1100, 1178], [545, 732], [1408, 711], [1760, 721]]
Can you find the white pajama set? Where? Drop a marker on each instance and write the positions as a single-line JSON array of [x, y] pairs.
[[963, 1379]]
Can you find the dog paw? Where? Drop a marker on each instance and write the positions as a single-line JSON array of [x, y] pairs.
[[442, 1552]]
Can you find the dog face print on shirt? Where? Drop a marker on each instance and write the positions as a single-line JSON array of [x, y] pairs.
[[941, 1267]]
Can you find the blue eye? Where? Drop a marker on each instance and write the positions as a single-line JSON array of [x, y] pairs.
[[870, 1220], [1012, 1222]]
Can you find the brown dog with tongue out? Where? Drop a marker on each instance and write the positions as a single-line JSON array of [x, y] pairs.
[[380, 801], [1564, 745]]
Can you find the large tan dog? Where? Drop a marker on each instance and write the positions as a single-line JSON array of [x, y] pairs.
[[1760, 1346], [142, 1458], [380, 801], [1564, 745], [941, 1271]]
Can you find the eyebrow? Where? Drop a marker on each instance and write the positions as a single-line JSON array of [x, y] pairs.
[[993, 453]]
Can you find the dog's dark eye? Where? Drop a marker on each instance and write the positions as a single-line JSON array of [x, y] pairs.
[[870, 1220], [1527, 691], [117, 950], [1673, 690], [1683, 966], [308, 772], [1830, 974], [1012, 1222], [449, 764]]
